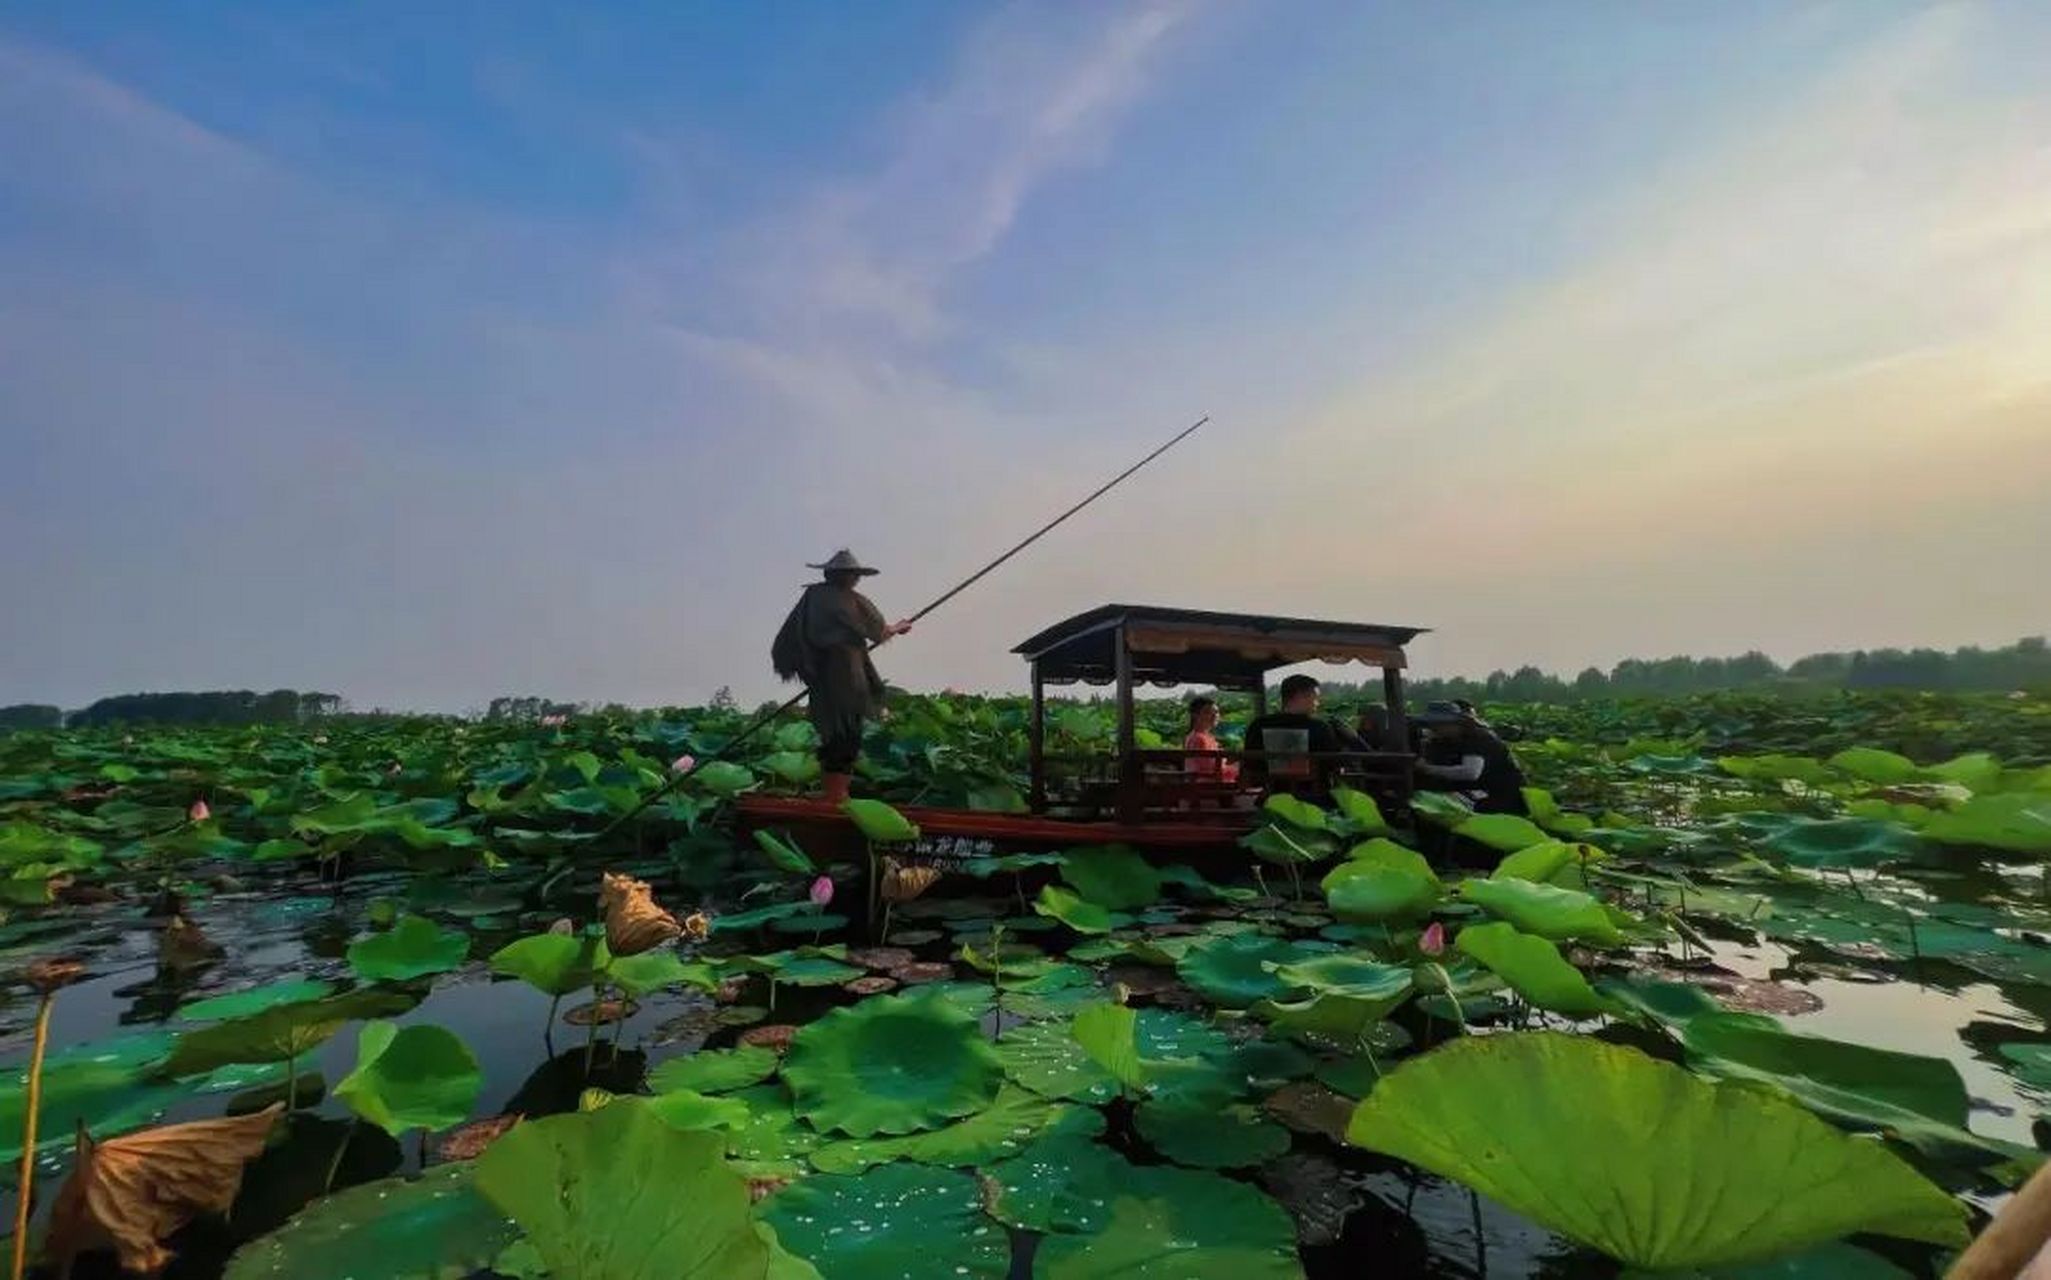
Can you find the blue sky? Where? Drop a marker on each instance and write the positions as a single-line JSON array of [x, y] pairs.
[[430, 354]]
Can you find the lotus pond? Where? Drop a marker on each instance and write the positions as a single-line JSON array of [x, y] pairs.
[[1761, 989]]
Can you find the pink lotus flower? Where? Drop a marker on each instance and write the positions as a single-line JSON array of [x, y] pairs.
[[199, 811], [1433, 943], [683, 763], [822, 891]]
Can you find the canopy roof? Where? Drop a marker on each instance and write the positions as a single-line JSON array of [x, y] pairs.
[[1196, 646]]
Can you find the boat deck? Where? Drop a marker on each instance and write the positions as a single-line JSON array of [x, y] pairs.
[[1014, 831]]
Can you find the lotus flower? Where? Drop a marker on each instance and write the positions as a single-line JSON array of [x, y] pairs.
[[1433, 943], [683, 763], [199, 811], [822, 891]]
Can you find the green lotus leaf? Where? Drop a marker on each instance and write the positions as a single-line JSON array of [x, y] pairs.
[[1164, 1223], [1504, 832], [412, 948], [1107, 1033], [1208, 1137], [1112, 876], [280, 1033], [573, 1182], [1837, 1261], [1976, 771], [784, 853], [2016, 821], [416, 1077], [724, 778], [880, 823], [1779, 768], [733, 921], [1546, 812], [651, 971], [1544, 863], [1363, 816], [407, 1229], [2032, 1063], [1370, 889], [1238, 971], [716, 1070], [1351, 974], [109, 1086], [1297, 813], [1843, 842], [1869, 764], [1533, 967], [1060, 1182], [1640, 1159], [1287, 846], [1077, 913], [1439, 809], [794, 767], [895, 1220], [555, 964], [254, 1000], [773, 1143], [1181, 1054], [1045, 1058], [802, 970], [1016, 1118], [689, 1109], [891, 1064], [1547, 910]]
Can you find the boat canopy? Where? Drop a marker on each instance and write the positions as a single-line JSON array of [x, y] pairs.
[[1167, 646]]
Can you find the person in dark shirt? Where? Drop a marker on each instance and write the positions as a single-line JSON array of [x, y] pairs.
[[1296, 728], [1461, 751]]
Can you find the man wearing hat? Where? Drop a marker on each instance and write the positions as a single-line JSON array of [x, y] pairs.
[[1462, 752], [825, 642]]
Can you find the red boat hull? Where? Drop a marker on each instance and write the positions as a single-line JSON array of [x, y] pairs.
[[1017, 831]]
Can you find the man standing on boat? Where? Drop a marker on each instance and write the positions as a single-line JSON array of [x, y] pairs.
[[825, 642]]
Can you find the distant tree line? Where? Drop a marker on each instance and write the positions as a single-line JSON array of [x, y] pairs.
[[31, 715], [2026, 664], [223, 706]]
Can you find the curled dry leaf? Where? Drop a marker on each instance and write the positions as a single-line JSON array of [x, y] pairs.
[[775, 1036], [601, 1012], [633, 923], [183, 944], [468, 1142], [902, 883], [46, 976], [130, 1193], [923, 971], [880, 957], [874, 984], [697, 927]]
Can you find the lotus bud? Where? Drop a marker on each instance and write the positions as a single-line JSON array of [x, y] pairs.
[[46, 976], [199, 811], [697, 926], [1433, 943], [563, 928], [822, 891], [683, 763]]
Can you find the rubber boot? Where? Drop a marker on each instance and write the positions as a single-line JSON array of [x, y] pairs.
[[833, 787]]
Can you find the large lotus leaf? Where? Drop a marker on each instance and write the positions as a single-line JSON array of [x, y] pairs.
[[1077, 913], [1107, 1033], [1237, 970], [724, 778], [1546, 812], [894, 1221], [1362, 890], [891, 1064], [416, 1077], [880, 823], [1870, 764], [1546, 910], [1836, 1261], [109, 1086], [1016, 1118], [412, 948], [1112, 876], [1351, 974], [1297, 813], [616, 1194], [812, 971], [1060, 1182], [425, 1228], [652, 971], [774, 1142], [1285, 846], [1779, 768], [1363, 816], [240, 1004], [1439, 809], [1210, 1137], [1164, 1223], [1504, 832], [1976, 771], [2016, 821], [279, 1033], [1046, 1058], [1843, 842], [715, 1071], [2031, 1063], [689, 1109], [554, 963], [1533, 967], [733, 921], [1639, 1158], [1544, 863], [794, 767]]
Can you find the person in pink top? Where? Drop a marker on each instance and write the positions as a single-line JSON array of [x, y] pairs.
[[1203, 736]]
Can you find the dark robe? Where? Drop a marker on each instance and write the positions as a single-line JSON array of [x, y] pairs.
[[825, 642]]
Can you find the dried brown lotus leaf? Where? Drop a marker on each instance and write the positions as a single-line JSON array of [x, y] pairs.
[[130, 1193], [633, 923], [902, 883]]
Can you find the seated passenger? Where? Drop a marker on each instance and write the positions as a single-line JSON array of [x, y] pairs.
[[1459, 749], [1203, 736], [1373, 727], [1295, 730]]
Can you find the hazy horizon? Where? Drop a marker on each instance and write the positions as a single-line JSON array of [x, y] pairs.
[[514, 350]]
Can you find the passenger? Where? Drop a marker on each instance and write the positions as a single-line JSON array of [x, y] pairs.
[[1294, 730], [1373, 727], [1203, 736], [1462, 750]]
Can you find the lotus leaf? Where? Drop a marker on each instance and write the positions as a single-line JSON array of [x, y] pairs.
[[1285, 847], [715, 1071], [1238, 971], [571, 1181], [1640, 1159], [1060, 1182], [1977, 771], [1533, 967], [255, 1000], [880, 823], [1164, 1223], [1207, 1137], [1297, 813], [773, 1143], [891, 1064], [1016, 1118], [895, 1220], [279, 1033], [1439, 809], [1869, 764], [1377, 890], [1842, 842], [2016, 821], [732, 921], [2032, 1063], [651, 971], [1504, 832], [412, 948], [1077, 913], [1831, 1262], [416, 1077], [108, 1087], [1546, 910], [1106, 1033], [1544, 863], [724, 778], [1112, 876], [1354, 975], [426, 1227], [794, 767], [785, 854], [1363, 816], [1045, 1058], [689, 1109], [555, 964], [1779, 768]]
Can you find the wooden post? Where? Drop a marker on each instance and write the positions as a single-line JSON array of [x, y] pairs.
[[1399, 722], [1260, 694], [1128, 772], [1036, 738]]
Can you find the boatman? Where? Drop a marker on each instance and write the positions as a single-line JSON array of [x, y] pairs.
[[825, 642]]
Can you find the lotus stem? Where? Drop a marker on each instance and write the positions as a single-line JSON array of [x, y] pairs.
[[591, 1026], [27, 1176], [1480, 1236], [886, 922], [291, 1082], [341, 1149]]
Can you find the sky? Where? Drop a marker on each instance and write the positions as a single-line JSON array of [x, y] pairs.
[[424, 354]]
